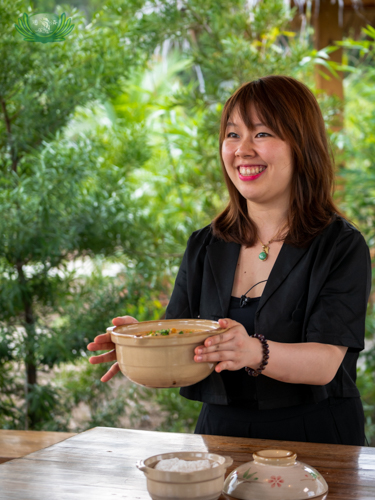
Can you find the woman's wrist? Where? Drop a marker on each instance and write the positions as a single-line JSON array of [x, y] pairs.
[[261, 356]]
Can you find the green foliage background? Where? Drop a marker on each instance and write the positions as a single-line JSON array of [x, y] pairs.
[[108, 157]]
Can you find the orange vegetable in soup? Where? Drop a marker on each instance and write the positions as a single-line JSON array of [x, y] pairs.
[[166, 332]]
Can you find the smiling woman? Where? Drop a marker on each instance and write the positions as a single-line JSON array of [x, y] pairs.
[[283, 271], [280, 118], [257, 162]]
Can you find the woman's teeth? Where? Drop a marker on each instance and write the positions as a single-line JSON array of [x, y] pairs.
[[246, 171]]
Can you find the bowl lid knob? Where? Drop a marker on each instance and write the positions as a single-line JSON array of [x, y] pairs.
[[275, 457]]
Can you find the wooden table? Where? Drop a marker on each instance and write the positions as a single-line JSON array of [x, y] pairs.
[[100, 464], [16, 444]]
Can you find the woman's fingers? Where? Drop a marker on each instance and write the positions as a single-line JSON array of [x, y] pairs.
[[228, 349], [228, 323], [225, 360], [225, 365], [124, 320], [110, 373], [102, 338], [215, 345], [215, 356], [216, 340], [222, 337], [225, 345], [103, 358], [95, 346], [101, 343]]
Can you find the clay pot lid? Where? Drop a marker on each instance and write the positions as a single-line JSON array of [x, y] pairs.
[[275, 474]]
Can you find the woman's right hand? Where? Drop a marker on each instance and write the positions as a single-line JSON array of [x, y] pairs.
[[103, 342]]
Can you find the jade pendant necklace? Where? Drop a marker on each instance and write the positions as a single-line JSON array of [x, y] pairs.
[[264, 253]]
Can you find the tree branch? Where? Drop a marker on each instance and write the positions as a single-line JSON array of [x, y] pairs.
[[6, 117], [15, 159]]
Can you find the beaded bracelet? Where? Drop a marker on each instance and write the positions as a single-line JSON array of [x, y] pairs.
[[266, 351]]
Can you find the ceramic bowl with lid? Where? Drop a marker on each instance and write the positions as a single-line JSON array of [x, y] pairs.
[[275, 475], [203, 484], [164, 360]]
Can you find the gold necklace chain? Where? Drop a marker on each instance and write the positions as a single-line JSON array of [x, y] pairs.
[[264, 253]]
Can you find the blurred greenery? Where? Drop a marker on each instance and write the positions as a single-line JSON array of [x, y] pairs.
[[178, 415], [356, 150], [108, 157]]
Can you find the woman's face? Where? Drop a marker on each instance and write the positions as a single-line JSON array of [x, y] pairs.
[[258, 162]]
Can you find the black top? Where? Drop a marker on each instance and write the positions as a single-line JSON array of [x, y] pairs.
[[318, 293], [240, 387]]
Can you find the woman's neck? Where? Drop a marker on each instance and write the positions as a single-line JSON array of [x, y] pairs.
[[269, 220]]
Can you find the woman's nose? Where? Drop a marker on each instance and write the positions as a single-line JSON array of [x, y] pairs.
[[245, 148]]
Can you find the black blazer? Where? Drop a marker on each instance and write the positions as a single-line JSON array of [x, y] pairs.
[[313, 294]]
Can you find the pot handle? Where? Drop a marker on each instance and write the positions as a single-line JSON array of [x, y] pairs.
[[141, 466], [228, 461]]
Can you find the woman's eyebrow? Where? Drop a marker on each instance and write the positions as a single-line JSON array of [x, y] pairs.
[[256, 125]]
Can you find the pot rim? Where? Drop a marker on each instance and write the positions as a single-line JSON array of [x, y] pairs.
[[208, 328], [147, 467]]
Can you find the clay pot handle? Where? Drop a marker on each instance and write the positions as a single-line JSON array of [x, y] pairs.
[[228, 461], [141, 466]]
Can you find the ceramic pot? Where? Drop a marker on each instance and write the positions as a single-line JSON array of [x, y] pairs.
[[163, 361], [198, 485], [275, 475]]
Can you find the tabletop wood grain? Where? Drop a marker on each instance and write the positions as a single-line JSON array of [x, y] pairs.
[[100, 464], [16, 444]]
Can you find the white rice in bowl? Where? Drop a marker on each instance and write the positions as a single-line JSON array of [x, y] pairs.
[[178, 465]]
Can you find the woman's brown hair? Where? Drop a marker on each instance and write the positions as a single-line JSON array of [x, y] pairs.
[[290, 109]]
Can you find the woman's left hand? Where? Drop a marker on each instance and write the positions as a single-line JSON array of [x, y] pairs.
[[232, 350]]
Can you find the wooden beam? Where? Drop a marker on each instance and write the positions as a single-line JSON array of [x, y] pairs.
[[327, 31]]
